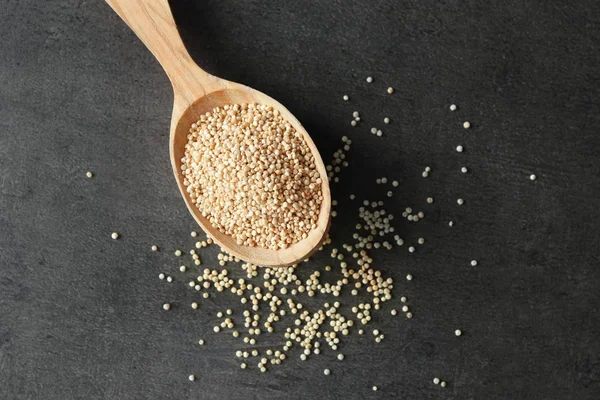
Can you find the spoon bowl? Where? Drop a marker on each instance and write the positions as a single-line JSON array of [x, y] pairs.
[[196, 92]]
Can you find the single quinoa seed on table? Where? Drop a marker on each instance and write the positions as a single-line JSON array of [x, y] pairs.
[[252, 175]]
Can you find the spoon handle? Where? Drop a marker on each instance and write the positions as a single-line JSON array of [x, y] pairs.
[[152, 21]]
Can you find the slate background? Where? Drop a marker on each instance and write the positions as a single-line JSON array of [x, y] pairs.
[[80, 314]]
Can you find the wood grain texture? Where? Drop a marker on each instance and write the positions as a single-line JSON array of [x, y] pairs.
[[196, 93], [80, 314]]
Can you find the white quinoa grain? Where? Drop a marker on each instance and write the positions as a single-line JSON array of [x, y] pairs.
[[89, 174], [369, 79], [532, 177], [114, 235], [466, 124], [245, 161], [452, 107], [459, 149]]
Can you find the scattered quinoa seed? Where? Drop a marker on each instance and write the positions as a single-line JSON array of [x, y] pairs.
[[474, 263], [154, 248], [89, 174], [443, 384], [369, 79], [460, 202], [178, 253], [452, 107], [192, 378], [458, 332], [459, 148], [532, 177], [409, 277], [326, 371], [464, 170], [466, 124], [436, 381], [346, 98], [390, 90], [167, 306]]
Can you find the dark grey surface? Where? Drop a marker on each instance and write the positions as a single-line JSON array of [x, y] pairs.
[[80, 314]]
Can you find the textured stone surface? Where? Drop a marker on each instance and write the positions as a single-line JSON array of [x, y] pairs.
[[80, 314]]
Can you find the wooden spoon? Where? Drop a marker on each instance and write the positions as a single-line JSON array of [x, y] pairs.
[[197, 92]]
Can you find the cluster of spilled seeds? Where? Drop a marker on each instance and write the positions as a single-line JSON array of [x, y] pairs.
[[305, 312], [277, 301], [339, 161], [252, 175]]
